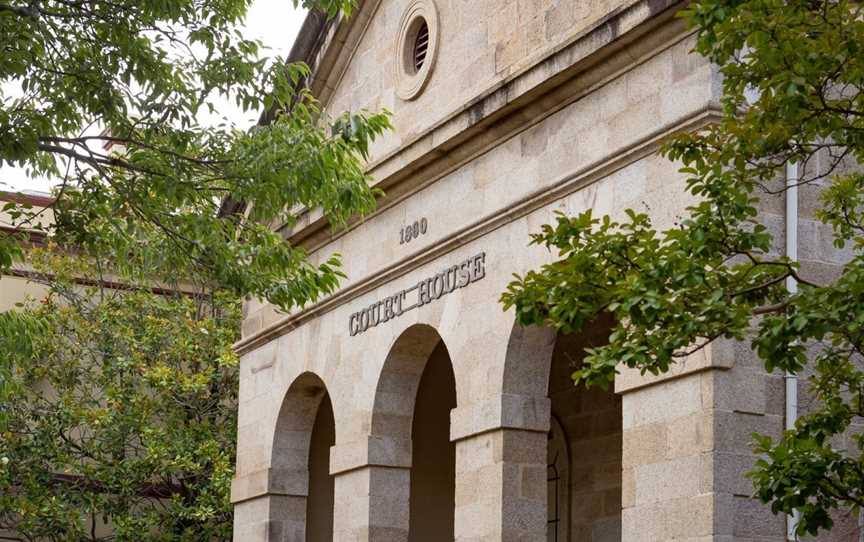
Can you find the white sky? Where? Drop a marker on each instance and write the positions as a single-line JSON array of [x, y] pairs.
[[274, 22]]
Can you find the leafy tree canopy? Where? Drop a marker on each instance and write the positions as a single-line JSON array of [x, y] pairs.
[[793, 91], [111, 93], [118, 406], [119, 420]]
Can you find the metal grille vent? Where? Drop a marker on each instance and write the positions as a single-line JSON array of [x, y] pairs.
[[421, 46]]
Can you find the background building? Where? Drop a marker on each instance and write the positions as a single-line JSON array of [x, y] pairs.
[[21, 285], [17, 285], [408, 405]]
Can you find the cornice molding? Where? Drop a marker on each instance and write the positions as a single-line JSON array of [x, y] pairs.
[[593, 172], [588, 62]]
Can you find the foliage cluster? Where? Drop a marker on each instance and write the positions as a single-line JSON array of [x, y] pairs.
[[793, 92], [118, 406], [121, 412], [111, 99]]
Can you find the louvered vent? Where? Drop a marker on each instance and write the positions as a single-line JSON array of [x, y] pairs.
[[421, 46]]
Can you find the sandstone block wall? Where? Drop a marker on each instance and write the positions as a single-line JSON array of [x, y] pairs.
[[670, 450], [601, 145], [482, 42]]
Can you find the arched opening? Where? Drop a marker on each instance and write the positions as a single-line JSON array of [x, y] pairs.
[[433, 468], [584, 445], [557, 484], [319, 504], [300, 463], [410, 437], [588, 421]]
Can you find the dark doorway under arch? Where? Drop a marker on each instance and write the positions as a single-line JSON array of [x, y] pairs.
[[303, 435], [433, 470], [319, 503], [585, 505]]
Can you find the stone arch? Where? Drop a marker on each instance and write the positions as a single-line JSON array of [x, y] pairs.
[[537, 370], [396, 393], [300, 454], [528, 361], [412, 481]]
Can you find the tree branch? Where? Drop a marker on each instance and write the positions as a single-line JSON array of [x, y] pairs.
[[20, 11], [769, 309]]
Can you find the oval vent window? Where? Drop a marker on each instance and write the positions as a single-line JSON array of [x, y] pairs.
[[416, 48], [421, 46]]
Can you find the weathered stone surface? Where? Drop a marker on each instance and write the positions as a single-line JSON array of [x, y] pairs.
[[533, 108]]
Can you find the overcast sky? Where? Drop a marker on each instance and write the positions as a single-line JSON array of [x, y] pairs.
[[274, 22]]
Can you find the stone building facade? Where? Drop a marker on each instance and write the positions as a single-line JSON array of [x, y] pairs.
[[408, 406]]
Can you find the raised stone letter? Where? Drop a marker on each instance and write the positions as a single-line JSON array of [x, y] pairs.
[[438, 285], [451, 280], [364, 320], [478, 270], [423, 292], [464, 274], [398, 299], [388, 309]]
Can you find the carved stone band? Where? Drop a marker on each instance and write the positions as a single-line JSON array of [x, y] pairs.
[[428, 290]]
